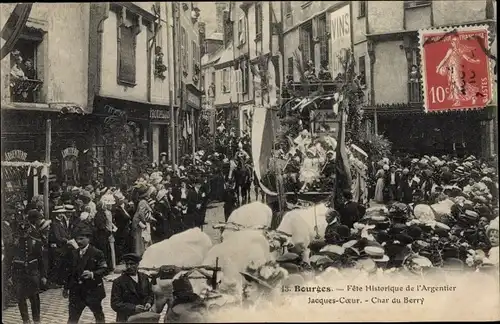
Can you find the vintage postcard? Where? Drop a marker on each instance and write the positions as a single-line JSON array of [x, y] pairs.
[[249, 161]]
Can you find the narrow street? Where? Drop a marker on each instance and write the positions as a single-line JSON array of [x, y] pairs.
[[55, 308]]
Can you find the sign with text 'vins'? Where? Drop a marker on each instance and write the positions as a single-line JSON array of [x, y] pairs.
[[340, 29]]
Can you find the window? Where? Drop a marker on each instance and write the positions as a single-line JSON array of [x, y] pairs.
[[290, 66], [362, 9], [416, 4], [212, 87], [258, 20], [288, 8], [25, 62], [127, 41], [305, 42], [202, 86], [226, 81], [323, 41], [244, 76], [241, 31], [362, 70], [414, 78], [196, 58], [184, 50]]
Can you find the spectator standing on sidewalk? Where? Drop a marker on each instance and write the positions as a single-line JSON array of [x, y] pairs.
[[27, 270], [131, 292], [84, 286]]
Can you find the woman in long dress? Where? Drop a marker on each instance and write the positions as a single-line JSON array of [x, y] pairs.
[[141, 227], [379, 188]]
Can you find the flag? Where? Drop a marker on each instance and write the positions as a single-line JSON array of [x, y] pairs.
[[343, 178]]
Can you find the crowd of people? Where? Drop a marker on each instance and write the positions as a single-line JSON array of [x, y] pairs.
[[45, 252], [37, 250]]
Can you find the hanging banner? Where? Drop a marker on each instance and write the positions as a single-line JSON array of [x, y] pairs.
[[456, 69], [16, 155], [340, 29]]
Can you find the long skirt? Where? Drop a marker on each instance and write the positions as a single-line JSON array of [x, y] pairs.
[[139, 243], [379, 191]]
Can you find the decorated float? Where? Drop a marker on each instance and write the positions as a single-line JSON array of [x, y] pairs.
[[299, 148]]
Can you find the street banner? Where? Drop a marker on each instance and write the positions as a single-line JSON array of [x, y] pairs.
[[340, 29], [456, 69]]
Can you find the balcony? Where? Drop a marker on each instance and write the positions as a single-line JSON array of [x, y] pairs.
[[25, 90], [415, 91], [296, 89]]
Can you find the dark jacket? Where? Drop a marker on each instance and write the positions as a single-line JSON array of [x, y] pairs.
[[25, 264], [91, 290], [101, 233], [350, 213], [126, 294], [60, 234], [122, 219]]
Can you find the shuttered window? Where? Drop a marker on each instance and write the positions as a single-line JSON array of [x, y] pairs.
[[242, 31], [244, 76], [184, 50], [126, 54], [237, 78], [323, 40], [290, 66], [305, 41], [258, 20]]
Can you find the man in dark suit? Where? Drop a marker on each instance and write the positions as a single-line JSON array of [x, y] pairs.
[[131, 292], [351, 211], [198, 203], [122, 217], [59, 248], [26, 268], [84, 286], [392, 179]]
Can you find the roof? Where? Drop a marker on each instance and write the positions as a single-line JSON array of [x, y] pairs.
[[216, 36], [211, 58], [227, 55]]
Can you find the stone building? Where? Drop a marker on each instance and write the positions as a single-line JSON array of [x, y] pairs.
[[83, 63], [388, 48]]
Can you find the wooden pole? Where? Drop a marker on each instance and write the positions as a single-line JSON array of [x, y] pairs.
[[48, 146], [172, 128], [193, 137]]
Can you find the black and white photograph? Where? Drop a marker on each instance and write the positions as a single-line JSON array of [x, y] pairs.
[[249, 161]]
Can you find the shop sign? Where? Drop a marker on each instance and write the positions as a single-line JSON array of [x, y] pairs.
[[340, 30], [159, 114], [70, 152], [193, 100], [16, 155]]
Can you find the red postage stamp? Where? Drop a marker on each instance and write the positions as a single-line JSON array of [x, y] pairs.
[[455, 68]]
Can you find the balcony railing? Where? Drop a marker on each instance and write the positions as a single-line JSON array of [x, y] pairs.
[[415, 91], [292, 89], [25, 90]]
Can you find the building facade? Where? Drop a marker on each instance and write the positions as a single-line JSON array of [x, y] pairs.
[[188, 74], [45, 76], [129, 75], [213, 46], [98, 61], [390, 48]]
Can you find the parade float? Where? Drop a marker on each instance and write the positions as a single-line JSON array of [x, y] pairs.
[[300, 148]]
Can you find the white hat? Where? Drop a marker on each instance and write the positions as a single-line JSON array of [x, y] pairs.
[[108, 199], [492, 226]]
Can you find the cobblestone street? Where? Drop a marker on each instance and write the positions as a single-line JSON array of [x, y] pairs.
[[55, 307]]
